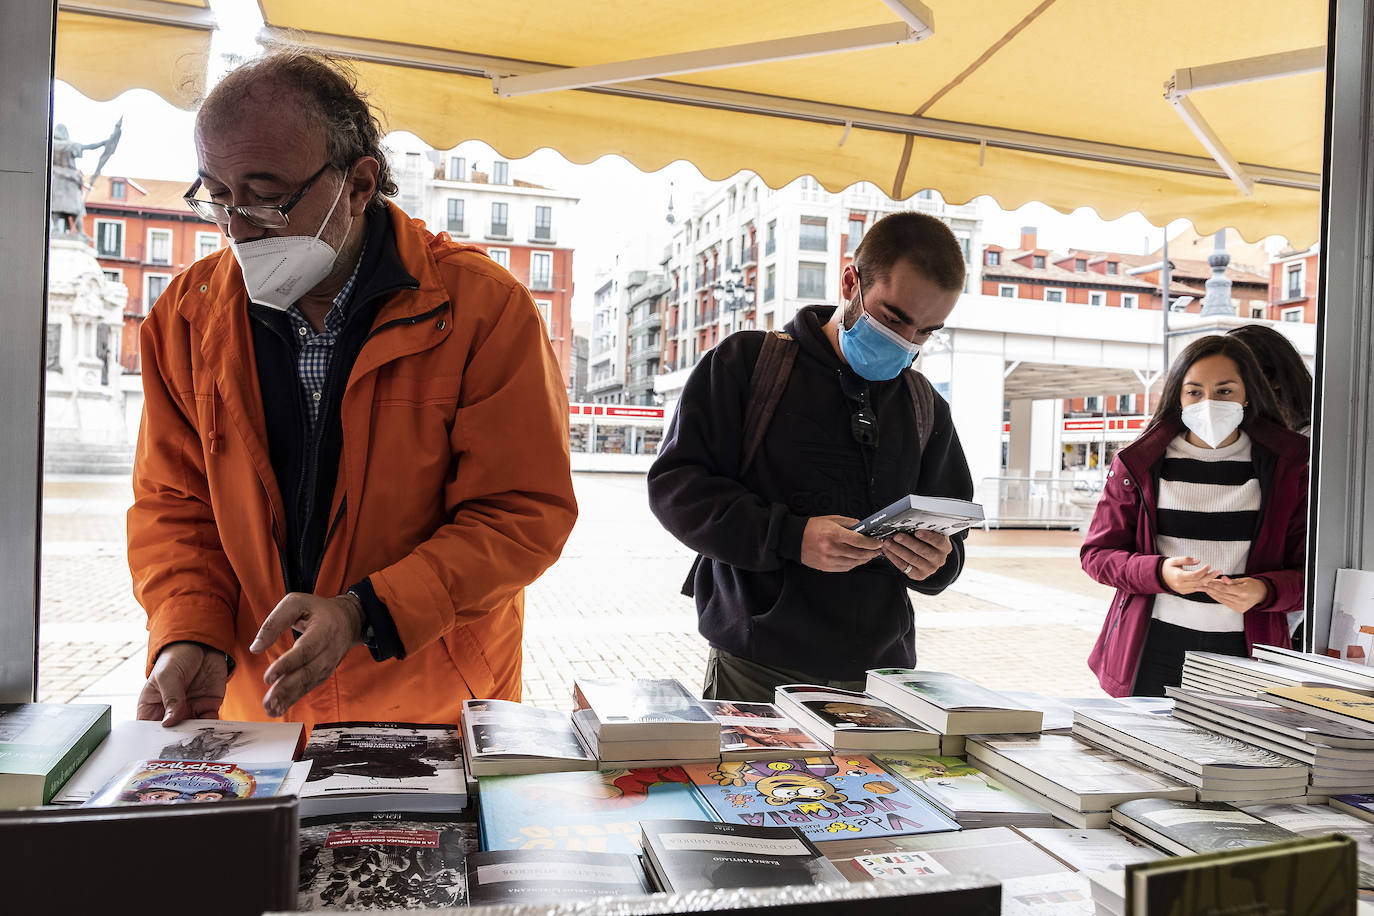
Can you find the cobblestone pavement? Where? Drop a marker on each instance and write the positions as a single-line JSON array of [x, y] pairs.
[[1023, 615]]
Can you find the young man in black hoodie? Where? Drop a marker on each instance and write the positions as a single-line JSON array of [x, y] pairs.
[[785, 591]]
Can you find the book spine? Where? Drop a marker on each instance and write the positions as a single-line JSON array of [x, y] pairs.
[[83, 748]]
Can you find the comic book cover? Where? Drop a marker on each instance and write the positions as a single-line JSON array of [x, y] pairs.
[[384, 860], [592, 811], [829, 798], [161, 782]]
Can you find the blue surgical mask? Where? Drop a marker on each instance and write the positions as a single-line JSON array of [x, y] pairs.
[[872, 349]]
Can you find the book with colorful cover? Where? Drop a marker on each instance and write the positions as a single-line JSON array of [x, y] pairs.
[[1359, 805], [759, 731], [832, 797], [964, 792], [595, 811], [384, 860], [191, 739], [41, 746], [1328, 702], [161, 782]]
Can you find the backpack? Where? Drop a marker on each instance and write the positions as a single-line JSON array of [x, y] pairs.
[[769, 378]]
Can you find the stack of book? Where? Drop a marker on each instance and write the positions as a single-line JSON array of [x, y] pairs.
[[965, 793], [363, 767], [760, 731], [1077, 782], [1232, 675], [687, 855], [1340, 757], [1183, 828], [1221, 768], [41, 746], [852, 722], [1338, 672], [639, 722], [1321, 820], [1057, 712], [951, 705], [505, 738]]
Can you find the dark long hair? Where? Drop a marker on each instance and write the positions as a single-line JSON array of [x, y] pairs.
[[1280, 362], [1258, 394]]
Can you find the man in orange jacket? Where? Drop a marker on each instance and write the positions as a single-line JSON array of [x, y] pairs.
[[354, 449]]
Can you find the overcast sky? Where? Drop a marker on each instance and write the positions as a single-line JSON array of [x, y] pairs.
[[617, 201]]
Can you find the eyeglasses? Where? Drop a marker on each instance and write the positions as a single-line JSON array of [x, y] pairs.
[[261, 216]]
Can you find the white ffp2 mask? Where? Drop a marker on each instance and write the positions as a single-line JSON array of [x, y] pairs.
[[1213, 421], [278, 271]]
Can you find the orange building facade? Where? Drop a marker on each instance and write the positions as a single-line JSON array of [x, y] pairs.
[[144, 235]]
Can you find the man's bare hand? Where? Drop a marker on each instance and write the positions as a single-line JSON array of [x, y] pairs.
[[1239, 594], [1183, 581], [187, 682], [328, 628], [829, 545], [918, 554]]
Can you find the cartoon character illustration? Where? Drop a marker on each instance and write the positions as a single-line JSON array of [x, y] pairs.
[[794, 786], [742, 772]]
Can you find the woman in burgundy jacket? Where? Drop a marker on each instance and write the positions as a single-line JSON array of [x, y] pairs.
[[1202, 520]]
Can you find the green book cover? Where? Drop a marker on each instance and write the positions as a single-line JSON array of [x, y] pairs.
[[42, 744], [1308, 876]]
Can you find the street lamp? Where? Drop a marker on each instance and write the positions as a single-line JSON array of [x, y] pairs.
[[733, 293]]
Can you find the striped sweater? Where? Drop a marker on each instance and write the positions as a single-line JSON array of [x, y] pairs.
[[1209, 503]]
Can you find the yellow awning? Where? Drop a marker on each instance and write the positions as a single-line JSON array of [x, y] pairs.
[[1060, 101], [104, 49]]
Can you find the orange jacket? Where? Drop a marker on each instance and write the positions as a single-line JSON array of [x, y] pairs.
[[453, 477]]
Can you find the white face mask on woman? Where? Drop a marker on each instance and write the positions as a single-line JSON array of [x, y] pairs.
[[278, 271], [1213, 421]]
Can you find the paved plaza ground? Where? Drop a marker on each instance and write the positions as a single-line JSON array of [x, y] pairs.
[[1022, 616]]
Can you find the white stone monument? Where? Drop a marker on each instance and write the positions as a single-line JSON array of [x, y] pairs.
[[85, 430]]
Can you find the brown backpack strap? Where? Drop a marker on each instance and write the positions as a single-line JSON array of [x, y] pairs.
[[922, 402], [769, 378]]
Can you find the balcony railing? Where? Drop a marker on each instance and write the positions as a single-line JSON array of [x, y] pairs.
[[749, 256], [770, 246], [653, 319]]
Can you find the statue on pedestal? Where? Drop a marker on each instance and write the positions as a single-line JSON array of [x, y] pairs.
[[68, 205]]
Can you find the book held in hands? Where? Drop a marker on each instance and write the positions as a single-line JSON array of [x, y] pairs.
[[942, 514]]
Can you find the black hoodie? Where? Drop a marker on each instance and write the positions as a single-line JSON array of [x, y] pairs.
[[754, 597]]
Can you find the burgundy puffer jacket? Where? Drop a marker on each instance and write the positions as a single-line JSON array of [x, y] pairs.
[[1119, 549]]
